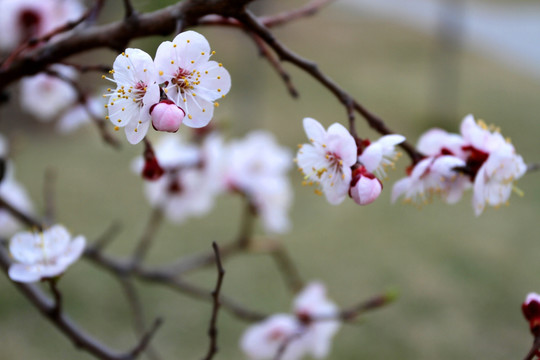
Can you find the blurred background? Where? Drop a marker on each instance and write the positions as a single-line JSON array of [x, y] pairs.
[[417, 64]]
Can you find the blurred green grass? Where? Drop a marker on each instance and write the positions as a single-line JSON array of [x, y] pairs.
[[461, 279]]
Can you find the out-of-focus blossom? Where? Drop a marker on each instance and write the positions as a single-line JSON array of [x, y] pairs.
[[192, 80], [136, 91], [308, 332], [42, 255], [496, 163], [166, 116], [365, 187], [257, 166], [21, 20], [328, 159], [191, 180], [80, 115], [480, 157], [380, 154], [45, 96]]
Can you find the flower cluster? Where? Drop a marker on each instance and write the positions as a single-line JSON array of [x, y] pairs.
[[43, 255], [308, 331], [342, 167], [181, 85], [480, 158], [185, 178]]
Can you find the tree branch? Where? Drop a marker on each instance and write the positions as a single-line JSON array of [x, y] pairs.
[[212, 330]]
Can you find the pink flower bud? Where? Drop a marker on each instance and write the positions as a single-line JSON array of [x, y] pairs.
[[166, 116], [365, 187], [151, 171]]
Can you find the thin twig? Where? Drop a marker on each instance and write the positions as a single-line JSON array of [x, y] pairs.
[[263, 50], [287, 268], [129, 9], [82, 98], [137, 311], [87, 68], [212, 330], [56, 310], [146, 240], [108, 235]]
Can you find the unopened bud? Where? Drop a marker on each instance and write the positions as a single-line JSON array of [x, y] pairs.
[[365, 187], [166, 116], [531, 311]]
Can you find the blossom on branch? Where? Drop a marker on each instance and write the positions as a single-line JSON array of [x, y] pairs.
[[191, 179], [328, 159], [480, 158], [308, 331], [380, 154], [257, 167], [136, 91], [42, 255], [190, 79]]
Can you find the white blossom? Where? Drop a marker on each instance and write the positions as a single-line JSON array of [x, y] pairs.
[[136, 91], [380, 154], [328, 159], [41, 255], [80, 114], [45, 96], [257, 166], [192, 80], [308, 332]]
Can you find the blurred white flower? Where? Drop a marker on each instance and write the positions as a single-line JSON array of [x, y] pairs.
[[81, 114], [192, 177], [45, 96], [257, 166], [308, 332], [21, 20], [41, 255], [328, 159], [136, 91], [191, 80], [495, 161]]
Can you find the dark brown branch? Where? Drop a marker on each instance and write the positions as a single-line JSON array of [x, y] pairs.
[[129, 9], [264, 52], [212, 330], [122, 268], [78, 337], [252, 23], [365, 306]]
